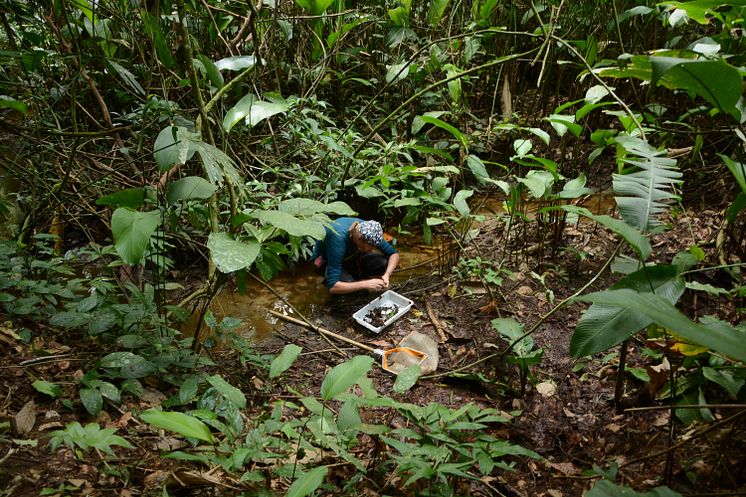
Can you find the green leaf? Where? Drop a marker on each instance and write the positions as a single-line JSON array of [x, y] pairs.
[[48, 388], [172, 146], [637, 240], [447, 127], [714, 80], [282, 362], [522, 146], [7, 102], [724, 338], [178, 422], [132, 231], [92, 400], [218, 166], [291, 224], [603, 326], [305, 207], [239, 111], [397, 71], [644, 194], [188, 188], [228, 391], [512, 330], [435, 12], [152, 28], [129, 365], [349, 417], [575, 188], [407, 378], [134, 198], [69, 319], [539, 183], [236, 63], [231, 255], [307, 482], [737, 169], [128, 78], [725, 379], [344, 376], [213, 73], [460, 203], [563, 123], [262, 110]]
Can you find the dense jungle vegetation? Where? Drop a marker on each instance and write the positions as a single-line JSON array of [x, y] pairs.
[[156, 152]]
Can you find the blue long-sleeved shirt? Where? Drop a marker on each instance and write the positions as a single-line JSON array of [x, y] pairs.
[[337, 246]]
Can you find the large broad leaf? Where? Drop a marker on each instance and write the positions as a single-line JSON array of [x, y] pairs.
[[291, 224], [178, 422], [231, 255], [460, 202], [315, 7], [603, 326], [282, 362], [539, 183], [575, 188], [307, 482], [723, 338], [172, 146], [227, 390], [407, 378], [344, 376], [644, 194], [213, 73], [435, 12], [512, 330], [637, 240], [189, 188], [714, 80], [129, 365], [305, 207], [133, 198], [236, 63], [132, 231], [239, 111], [217, 164], [253, 111]]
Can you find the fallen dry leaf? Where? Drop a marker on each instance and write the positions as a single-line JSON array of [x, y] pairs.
[[546, 389], [25, 420]]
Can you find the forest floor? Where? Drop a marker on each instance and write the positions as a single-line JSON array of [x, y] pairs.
[[566, 415]]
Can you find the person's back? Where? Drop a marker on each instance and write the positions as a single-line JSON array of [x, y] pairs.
[[355, 256]]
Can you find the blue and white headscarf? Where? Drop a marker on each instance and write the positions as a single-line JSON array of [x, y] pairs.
[[371, 232]]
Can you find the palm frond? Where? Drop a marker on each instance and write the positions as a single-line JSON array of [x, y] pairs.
[[646, 193]]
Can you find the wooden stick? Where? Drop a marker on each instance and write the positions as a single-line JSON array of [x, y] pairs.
[[323, 331]]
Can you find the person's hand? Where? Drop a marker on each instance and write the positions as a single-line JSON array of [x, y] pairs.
[[374, 284], [385, 279]]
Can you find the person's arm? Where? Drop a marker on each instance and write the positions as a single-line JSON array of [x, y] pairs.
[[343, 287], [393, 262]]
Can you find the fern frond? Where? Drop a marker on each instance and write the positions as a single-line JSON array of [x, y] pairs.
[[644, 194]]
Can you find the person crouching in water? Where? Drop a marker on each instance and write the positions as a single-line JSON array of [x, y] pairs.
[[355, 256]]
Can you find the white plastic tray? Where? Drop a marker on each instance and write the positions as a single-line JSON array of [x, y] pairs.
[[387, 298]]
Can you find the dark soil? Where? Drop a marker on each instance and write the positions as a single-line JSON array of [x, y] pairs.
[[567, 414]]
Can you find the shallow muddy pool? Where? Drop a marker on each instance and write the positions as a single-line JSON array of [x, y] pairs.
[[302, 288]]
